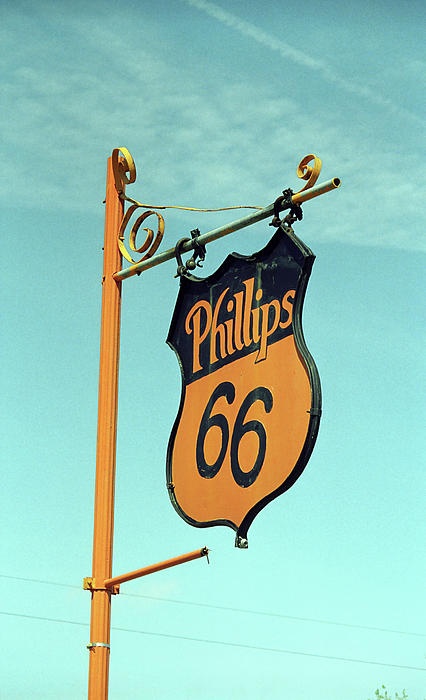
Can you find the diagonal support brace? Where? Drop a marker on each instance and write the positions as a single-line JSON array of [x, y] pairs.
[[297, 199], [114, 582]]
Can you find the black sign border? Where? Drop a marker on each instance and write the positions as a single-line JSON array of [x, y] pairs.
[[305, 257]]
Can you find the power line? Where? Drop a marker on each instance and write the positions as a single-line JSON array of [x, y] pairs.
[[218, 642], [38, 580], [273, 614], [272, 649], [225, 608], [44, 619]]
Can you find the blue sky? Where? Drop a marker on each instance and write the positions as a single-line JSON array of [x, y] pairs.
[[217, 103]]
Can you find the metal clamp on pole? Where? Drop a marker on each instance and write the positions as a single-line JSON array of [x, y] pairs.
[[92, 645]]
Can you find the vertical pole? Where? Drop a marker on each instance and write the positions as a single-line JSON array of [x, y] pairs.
[[100, 620]]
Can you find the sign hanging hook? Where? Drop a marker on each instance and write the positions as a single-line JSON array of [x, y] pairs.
[[199, 252], [286, 202]]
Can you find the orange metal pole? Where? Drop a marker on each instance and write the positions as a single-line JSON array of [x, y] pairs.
[[100, 621], [152, 568]]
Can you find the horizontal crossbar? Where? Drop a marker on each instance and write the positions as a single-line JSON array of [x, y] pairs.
[[216, 233]]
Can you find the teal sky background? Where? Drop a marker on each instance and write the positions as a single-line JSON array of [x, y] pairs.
[[217, 102]]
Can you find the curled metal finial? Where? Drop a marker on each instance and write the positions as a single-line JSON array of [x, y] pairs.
[[309, 172], [304, 171], [121, 165]]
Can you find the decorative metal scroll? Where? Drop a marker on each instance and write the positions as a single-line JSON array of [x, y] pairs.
[[309, 172], [123, 164]]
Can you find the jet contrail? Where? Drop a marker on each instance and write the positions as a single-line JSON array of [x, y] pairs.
[[253, 32], [299, 57]]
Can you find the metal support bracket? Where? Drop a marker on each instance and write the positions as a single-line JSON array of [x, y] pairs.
[[115, 581], [90, 584], [308, 169]]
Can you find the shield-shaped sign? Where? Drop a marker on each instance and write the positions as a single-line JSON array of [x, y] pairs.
[[251, 397]]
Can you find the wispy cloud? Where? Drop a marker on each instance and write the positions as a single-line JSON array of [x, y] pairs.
[[201, 143], [301, 58]]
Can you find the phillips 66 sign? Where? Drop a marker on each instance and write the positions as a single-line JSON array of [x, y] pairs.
[[251, 398]]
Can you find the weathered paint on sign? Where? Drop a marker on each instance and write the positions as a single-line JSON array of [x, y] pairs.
[[251, 397]]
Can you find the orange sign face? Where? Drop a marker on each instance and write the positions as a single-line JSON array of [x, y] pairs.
[[251, 398]]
